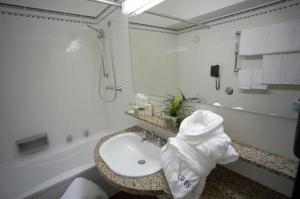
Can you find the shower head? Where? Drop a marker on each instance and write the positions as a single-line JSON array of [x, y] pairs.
[[99, 31], [100, 34]]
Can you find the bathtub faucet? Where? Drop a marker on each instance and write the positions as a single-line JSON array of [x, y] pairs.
[[69, 138], [86, 133]]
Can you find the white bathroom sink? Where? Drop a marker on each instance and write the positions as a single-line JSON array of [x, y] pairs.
[[127, 155]]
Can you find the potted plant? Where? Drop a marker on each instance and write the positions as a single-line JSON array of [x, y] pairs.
[[177, 108]]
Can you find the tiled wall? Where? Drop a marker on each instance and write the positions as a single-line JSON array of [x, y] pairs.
[[154, 55], [121, 55], [48, 82], [216, 46], [58, 93]]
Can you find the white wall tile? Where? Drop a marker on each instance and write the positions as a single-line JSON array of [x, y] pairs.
[[239, 125], [44, 88], [276, 135], [240, 167], [273, 181]]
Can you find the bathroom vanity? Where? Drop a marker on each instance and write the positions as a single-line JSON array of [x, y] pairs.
[[221, 183]]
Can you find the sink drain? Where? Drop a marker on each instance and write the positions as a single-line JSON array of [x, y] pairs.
[[141, 161]]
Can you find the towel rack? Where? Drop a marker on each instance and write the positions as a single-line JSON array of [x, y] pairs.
[[236, 51]]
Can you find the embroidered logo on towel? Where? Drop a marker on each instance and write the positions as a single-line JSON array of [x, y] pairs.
[[185, 182]]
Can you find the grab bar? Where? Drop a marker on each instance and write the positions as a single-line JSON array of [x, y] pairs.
[[236, 51]]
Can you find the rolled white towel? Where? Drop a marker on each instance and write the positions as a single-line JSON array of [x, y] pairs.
[[81, 188]]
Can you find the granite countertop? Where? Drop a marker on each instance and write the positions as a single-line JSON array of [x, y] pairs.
[[274, 163], [221, 183]]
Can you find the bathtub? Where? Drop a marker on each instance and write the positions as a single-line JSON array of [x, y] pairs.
[[28, 176]]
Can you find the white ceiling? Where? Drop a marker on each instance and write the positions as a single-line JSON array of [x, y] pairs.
[[188, 9], [195, 10], [185, 9], [82, 7]]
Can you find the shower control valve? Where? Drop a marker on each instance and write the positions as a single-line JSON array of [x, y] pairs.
[[116, 89], [69, 138], [86, 133]]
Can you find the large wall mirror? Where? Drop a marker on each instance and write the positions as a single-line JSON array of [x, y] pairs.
[[168, 54]]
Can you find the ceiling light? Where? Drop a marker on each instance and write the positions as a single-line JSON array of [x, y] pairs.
[[135, 7]]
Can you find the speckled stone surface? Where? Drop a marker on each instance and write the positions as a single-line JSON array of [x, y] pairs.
[[221, 183], [271, 162], [274, 163], [224, 183]]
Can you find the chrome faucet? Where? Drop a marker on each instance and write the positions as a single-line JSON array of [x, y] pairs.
[[152, 137], [148, 135]]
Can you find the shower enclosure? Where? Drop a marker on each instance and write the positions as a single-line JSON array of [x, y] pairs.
[[107, 84]]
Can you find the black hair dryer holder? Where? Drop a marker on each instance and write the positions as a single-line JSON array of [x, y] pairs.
[[214, 72]]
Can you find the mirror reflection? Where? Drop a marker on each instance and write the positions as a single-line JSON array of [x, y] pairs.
[[174, 49]]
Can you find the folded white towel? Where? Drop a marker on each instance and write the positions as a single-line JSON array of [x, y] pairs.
[[253, 41], [283, 37], [81, 188], [245, 79], [290, 73], [257, 80], [188, 158], [271, 69], [277, 38], [281, 69]]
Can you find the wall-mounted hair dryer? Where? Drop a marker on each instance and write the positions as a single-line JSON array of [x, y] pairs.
[[214, 72]]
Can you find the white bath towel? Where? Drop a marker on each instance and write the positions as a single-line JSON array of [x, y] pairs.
[[290, 73], [81, 188], [188, 158], [245, 79], [277, 38], [281, 69], [253, 41], [283, 37], [271, 69], [257, 80]]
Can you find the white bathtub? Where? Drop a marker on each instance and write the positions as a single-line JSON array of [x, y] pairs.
[[30, 175]]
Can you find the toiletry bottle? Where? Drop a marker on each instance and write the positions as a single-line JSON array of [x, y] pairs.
[[138, 99], [148, 109], [143, 100]]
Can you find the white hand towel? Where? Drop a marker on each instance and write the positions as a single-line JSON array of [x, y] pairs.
[[271, 69], [290, 73], [245, 79], [256, 80], [253, 41], [283, 37]]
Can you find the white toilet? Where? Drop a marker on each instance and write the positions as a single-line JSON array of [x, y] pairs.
[[82, 188]]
